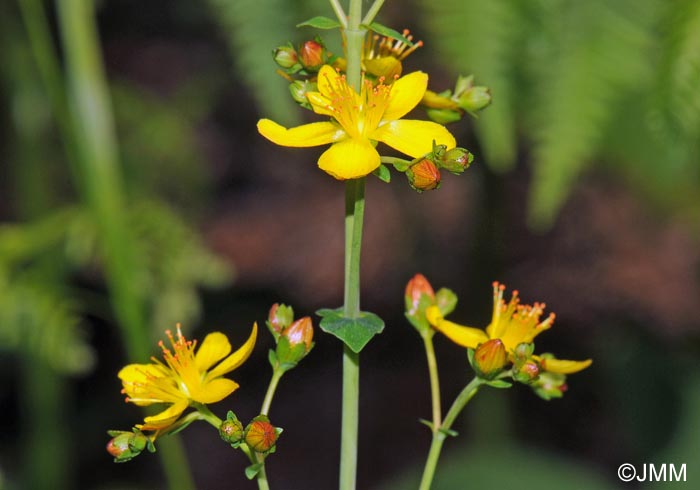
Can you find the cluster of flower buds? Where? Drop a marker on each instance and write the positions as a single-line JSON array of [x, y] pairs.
[[449, 106], [294, 338], [259, 435], [125, 446], [306, 60], [423, 174]]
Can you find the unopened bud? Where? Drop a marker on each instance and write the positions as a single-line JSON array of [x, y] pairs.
[[285, 56], [300, 332], [260, 435], [279, 318], [550, 385], [475, 99], [417, 289], [526, 372], [524, 350], [312, 55], [490, 358], [125, 446], [231, 430], [423, 176], [299, 88], [456, 160]]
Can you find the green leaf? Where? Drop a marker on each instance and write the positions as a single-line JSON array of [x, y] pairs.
[[387, 31], [355, 332], [449, 432], [252, 470], [427, 423], [320, 22], [383, 173], [498, 383]]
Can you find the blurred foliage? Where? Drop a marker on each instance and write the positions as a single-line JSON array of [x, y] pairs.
[[583, 82]]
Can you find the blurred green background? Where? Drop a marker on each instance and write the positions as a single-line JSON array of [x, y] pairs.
[[136, 193]]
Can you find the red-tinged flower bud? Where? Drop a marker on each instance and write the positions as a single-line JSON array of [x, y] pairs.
[[279, 318], [416, 289], [119, 445], [527, 372], [423, 176], [285, 56], [231, 430], [312, 55], [301, 331], [456, 160], [490, 358], [260, 435], [125, 446]]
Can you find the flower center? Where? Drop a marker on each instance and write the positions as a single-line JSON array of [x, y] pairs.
[[359, 115]]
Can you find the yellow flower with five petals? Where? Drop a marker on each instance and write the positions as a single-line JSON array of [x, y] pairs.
[[361, 120], [185, 377], [512, 323]]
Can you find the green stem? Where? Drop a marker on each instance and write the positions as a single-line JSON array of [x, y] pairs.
[[340, 13], [271, 388], [434, 379], [372, 12], [440, 435]]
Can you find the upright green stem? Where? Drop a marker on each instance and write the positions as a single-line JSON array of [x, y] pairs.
[[440, 435], [271, 388], [372, 12], [354, 216], [434, 379]]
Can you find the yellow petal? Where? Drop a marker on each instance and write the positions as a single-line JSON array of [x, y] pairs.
[[214, 348], [214, 390], [165, 418], [314, 134], [464, 336], [139, 373], [319, 103], [414, 138], [349, 159], [435, 101], [563, 366], [237, 358], [406, 93], [386, 66], [329, 81]]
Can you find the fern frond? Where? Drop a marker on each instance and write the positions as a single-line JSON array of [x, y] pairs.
[[483, 38], [594, 59], [250, 26]]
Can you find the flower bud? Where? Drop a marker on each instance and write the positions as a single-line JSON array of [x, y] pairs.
[[312, 55], [300, 332], [231, 430], [279, 318], [416, 289], [550, 385], [285, 56], [475, 99], [526, 372], [260, 435], [299, 89], [456, 160], [125, 446], [423, 176], [490, 358]]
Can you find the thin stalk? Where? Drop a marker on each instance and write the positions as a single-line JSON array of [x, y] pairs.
[[440, 435], [271, 388], [372, 12], [340, 13], [90, 117], [434, 380]]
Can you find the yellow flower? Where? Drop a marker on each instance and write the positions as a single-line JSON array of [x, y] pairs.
[[186, 377], [512, 323], [361, 120]]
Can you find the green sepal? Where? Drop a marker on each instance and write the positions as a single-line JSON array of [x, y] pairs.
[[470, 356], [402, 167], [253, 470], [498, 383], [354, 332], [386, 31], [448, 432], [443, 116], [427, 423], [115, 433], [382, 173], [418, 319], [288, 356], [183, 426], [446, 301], [320, 22], [272, 358], [150, 446]]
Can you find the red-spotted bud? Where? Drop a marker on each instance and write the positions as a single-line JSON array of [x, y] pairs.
[[456, 160], [125, 446], [261, 436], [490, 358], [285, 56], [423, 176], [418, 292], [526, 372], [279, 318], [312, 55], [300, 332]]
